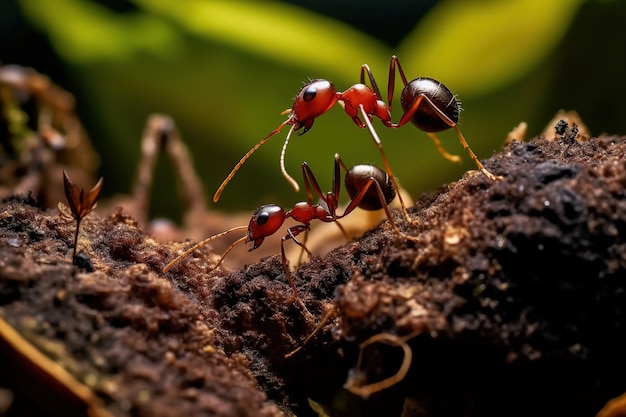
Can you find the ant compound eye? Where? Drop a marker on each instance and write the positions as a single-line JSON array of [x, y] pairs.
[[262, 218], [309, 94]]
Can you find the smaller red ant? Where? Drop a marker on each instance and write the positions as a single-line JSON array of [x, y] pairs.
[[426, 102], [369, 188]]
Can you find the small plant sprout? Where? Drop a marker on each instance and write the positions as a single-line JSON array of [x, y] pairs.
[[80, 203]]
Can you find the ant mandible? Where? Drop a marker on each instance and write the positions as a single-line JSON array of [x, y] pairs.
[[427, 103], [369, 188]]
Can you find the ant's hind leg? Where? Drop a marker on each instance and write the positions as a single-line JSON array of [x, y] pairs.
[[442, 151], [472, 155], [410, 112]]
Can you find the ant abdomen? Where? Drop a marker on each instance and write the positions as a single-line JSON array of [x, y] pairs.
[[425, 118], [357, 178]]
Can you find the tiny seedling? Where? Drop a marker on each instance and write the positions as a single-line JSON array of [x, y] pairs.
[[80, 203]]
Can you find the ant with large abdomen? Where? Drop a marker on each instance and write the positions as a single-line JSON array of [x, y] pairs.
[[369, 188], [427, 103]]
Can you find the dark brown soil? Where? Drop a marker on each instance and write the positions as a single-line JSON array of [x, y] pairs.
[[511, 300]]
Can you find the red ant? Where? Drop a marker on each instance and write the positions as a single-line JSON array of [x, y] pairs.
[[427, 103], [369, 188]]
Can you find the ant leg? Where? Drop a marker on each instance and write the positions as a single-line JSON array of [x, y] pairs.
[[204, 242], [395, 62], [336, 183], [379, 145], [311, 184], [331, 199], [452, 158], [291, 234], [301, 254], [343, 230], [331, 311], [294, 231], [366, 69], [480, 166], [306, 236], [408, 115], [357, 200], [339, 161]]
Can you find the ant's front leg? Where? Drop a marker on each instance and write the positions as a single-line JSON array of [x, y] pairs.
[[292, 232], [365, 69]]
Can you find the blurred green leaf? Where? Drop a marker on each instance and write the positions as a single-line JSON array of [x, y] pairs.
[[84, 31], [478, 46], [485, 44], [287, 34]]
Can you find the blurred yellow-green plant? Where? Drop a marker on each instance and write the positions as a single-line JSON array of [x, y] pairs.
[[224, 70]]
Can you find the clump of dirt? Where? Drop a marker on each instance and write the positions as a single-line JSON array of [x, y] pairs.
[[122, 330], [509, 301], [514, 288]]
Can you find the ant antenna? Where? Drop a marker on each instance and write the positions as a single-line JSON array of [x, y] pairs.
[[283, 151], [244, 158], [204, 242]]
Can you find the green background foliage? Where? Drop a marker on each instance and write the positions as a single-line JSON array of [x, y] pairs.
[[226, 69]]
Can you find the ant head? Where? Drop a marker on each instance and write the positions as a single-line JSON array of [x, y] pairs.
[[265, 221], [313, 100], [359, 175]]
